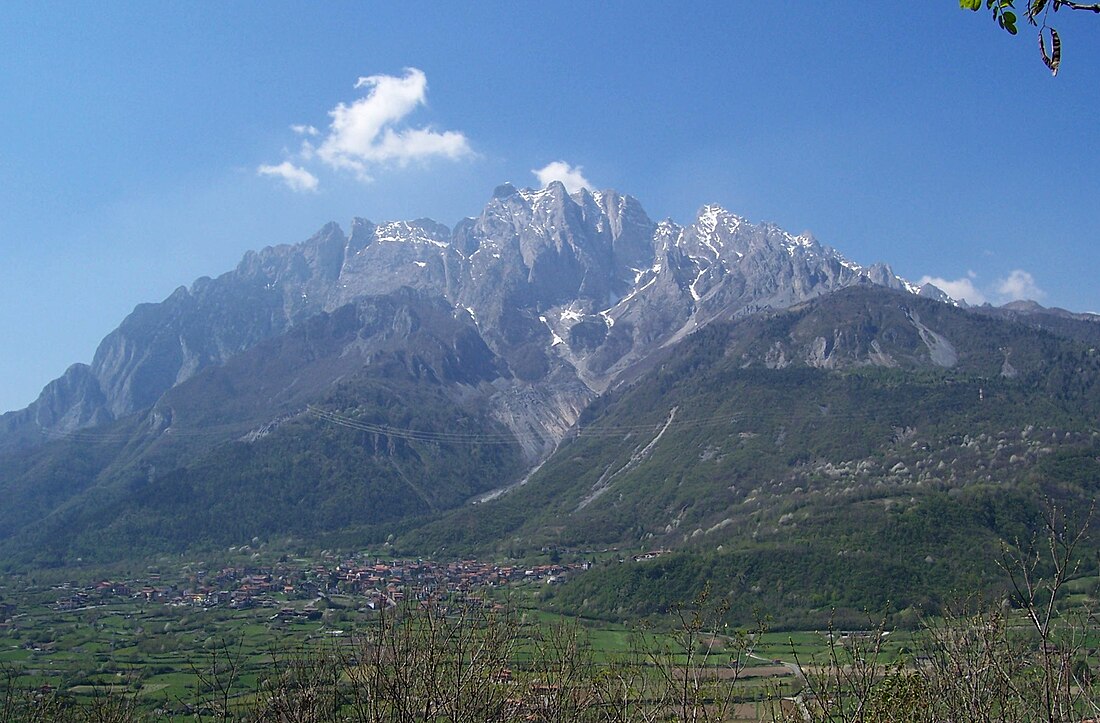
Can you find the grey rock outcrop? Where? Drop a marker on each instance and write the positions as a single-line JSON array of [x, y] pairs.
[[570, 290]]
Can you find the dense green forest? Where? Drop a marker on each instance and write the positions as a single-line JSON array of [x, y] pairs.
[[809, 492]]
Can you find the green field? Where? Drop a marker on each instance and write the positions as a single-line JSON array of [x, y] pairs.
[[180, 661], [167, 658]]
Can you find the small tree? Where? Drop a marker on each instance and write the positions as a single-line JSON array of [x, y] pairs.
[[979, 663], [699, 673]]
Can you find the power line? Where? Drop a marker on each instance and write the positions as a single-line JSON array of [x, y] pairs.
[[748, 416]]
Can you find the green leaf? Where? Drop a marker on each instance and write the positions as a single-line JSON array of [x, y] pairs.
[[974, 5], [1009, 18]]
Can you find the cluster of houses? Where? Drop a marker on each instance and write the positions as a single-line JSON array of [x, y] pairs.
[[425, 576], [77, 597], [380, 583]]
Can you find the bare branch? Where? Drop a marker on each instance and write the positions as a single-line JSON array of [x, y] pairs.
[[1088, 7]]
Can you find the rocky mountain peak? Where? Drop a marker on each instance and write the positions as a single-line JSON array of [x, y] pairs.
[[362, 233], [570, 290], [504, 190]]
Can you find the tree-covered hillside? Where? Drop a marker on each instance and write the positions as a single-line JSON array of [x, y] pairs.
[[237, 452], [867, 477]]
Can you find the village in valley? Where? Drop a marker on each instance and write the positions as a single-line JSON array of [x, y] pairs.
[[376, 582], [143, 630]]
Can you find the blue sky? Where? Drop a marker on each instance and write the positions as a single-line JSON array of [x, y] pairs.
[[132, 137]]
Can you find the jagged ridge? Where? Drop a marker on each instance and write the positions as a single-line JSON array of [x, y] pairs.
[[570, 290]]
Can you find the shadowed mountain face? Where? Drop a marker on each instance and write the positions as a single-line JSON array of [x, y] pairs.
[[354, 385], [237, 450]]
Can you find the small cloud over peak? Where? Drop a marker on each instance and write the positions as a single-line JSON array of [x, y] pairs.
[[959, 289], [570, 176], [1018, 285], [296, 179], [370, 132]]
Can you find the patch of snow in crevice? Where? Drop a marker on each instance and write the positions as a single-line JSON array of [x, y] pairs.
[[793, 243], [404, 232], [713, 249], [913, 288], [706, 226], [801, 240], [632, 294], [553, 335], [694, 293], [533, 196], [708, 218], [733, 222]]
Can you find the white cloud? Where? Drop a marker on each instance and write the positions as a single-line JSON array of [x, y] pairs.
[[365, 132], [1019, 285], [369, 132], [570, 176], [297, 179], [957, 289]]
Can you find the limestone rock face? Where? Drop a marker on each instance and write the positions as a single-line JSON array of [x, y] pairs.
[[569, 290]]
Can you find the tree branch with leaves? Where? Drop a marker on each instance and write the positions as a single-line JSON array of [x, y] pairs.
[[1037, 14]]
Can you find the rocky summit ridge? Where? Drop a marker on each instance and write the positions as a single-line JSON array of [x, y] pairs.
[[571, 291]]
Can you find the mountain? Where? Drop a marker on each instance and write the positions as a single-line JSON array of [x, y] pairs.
[[570, 290], [1083, 327], [234, 452], [588, 377], [865, 450]]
